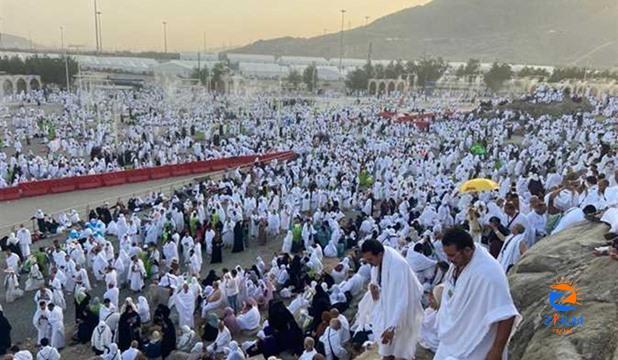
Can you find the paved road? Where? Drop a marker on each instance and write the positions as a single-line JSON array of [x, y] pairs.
[[12, 213]]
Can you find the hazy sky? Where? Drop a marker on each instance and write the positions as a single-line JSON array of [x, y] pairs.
[[137, 24]]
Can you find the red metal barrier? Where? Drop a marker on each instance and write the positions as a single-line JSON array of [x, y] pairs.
[[43, 187], [89, 181], [114, 178], [161, 172], [220, 164], [63, 185], [34, 188], [182, 169], [201, 167], [138, 175], [11, 193]]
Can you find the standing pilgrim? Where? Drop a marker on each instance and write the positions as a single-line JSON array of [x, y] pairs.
[[184, 301], [56, 323], [137, 274], [478, 329], [396, 293]]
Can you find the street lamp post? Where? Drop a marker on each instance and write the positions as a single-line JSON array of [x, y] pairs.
[[66, 58], [341, 39], [62, 38], [165, 37], [100, 31], [96, 25]]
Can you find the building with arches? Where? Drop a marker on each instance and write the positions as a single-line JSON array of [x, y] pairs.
[[388, 86], [15, 84]]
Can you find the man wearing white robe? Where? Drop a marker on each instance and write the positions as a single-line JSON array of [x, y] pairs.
[[222, 341], [101, 337], [573, 216], [396, 294], [47, 352], [184, 301], [513, 248], [56, 323], [478, 329], [41, 323], [249, 320], [137, 274], [25, 240], [331, 340]]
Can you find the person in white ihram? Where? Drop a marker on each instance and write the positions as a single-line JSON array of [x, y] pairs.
[[478, 329], [396, 293]]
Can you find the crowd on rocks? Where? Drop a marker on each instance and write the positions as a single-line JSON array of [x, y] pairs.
[[378, 245]]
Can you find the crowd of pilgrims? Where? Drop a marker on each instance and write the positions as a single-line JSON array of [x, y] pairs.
[[357, 177], [97, 133]]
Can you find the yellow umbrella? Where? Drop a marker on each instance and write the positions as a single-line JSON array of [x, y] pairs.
[[478, 185]]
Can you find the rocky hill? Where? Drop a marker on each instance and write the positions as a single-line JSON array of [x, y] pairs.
[[583, 32], [569, 255]]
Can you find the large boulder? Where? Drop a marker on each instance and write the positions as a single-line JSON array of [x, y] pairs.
[[567, 255]]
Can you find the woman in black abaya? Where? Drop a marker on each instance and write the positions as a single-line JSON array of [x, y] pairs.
[[5, 333], [129, 327], [239, 242]]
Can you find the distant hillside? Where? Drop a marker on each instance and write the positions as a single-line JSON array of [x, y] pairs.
[[523, 31]]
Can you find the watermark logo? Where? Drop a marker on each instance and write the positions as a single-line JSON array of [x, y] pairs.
[[564, 298]]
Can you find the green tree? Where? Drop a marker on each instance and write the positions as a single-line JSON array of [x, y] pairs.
[[357, 80], [200, 74], [218, 72], [389, 71], [470, 70], [294, 78], [428, 70], [51, 71], [378, 71], [568, 73], [528, 71], [497, 75], [310, 77]]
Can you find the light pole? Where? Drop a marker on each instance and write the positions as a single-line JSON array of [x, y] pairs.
[[204, 39], [61, 38], [96, 25], [0, 33], [341, 39], [66, 58], [165, 37], [100, 31]]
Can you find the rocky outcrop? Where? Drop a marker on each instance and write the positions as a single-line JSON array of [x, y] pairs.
[[567, 255]]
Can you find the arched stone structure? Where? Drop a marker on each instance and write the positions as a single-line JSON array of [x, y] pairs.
[[7, 87], [387, 86], [390, 87], [21, 86], [373, 87], [15, 84], [35, 84]]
